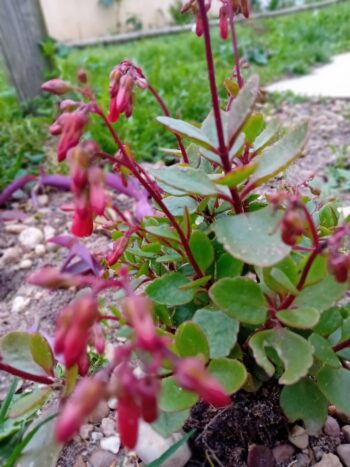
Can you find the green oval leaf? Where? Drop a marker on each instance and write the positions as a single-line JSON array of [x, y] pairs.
[[186, 179], [231, 374], [42, 353], [220, 329], [170, 422], [278, 157], [293, 350], [191, 341], [252, 237], [240, 298], [237, 176], [173, 398], [187, 130], [228, 266], [323, 351], [167, 290], [202, 249], [335, 383], [300, 318], [16, 351], [306, 402], [177, 204], [29, 402]]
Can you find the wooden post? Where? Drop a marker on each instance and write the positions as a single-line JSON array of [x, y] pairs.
[[22, 28]]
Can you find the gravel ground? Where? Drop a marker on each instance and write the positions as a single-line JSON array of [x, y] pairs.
[[23, 248]]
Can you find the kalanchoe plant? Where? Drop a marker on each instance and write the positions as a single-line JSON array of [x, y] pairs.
[[240, 285]]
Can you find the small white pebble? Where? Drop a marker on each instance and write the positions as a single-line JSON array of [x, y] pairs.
[[25, 264], [20, 304], [111, 444]]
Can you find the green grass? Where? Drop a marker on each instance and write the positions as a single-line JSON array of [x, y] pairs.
[[175, 66]]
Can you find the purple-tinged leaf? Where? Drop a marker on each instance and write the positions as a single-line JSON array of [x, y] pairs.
[[14, 186]]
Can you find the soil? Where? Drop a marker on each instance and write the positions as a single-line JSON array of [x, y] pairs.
[[224, 436]]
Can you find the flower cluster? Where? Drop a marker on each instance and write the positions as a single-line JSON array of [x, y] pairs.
[[122, 80], [74, 331], [339, 253], [231, 7], [192, 6], [88, 189]]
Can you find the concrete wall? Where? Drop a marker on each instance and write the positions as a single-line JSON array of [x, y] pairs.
[[71, 20]]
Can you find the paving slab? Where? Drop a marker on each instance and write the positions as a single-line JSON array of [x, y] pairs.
[[331, 80]]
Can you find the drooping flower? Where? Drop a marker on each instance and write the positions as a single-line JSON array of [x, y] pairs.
[[122, 80], [192, 6], [192, 375], [56, 86], [74, 327], [70, 127], [83, 401], [339, 253]]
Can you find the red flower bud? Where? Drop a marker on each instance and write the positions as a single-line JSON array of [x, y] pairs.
[[56, 86], [128, 421], [82, 76], [83, 222], [83, 401], [192, 375]]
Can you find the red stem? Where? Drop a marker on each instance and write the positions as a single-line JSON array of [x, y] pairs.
[[234, 45], [341, 345], [167, 113], [133, 167], [223, 152], [25, 375]]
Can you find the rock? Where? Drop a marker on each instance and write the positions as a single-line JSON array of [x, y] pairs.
[[86, 430], [79, 462], [342, 417], [30, 237], [283, 452], [331, 427], [25, 264], [343, 452], [96, 436], [101, 411], [111, 444], [329, 460], [103, 459], [40, 249], [151, 445], [14, 228], [49, 232], [299, 437], [10, 256], [19, 304], [113, 403], [108, 427], [43, 200], [346, 431], [302, 460]]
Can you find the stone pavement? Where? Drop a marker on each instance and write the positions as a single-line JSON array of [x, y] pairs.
[[331, 80]]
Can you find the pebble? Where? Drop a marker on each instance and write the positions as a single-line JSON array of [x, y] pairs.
[[40, 249], [329, 460], [113, 403], [111, 444], [49, 232], [101, 411], [79, 462], [331, 427], [14, 228], [102, 458], [108, 427], [343, 417], [25, 264], [43, 200], [299, 437], [346, 431], [19, 304], [10, 255], [283, 452], [30, 237], [96, 436], [302, 460], [86, 430], [343, 452]]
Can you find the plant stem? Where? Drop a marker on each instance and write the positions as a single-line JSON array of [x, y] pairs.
[[235, 46], [157, 198], [167, 113], [341, 345], [223, 152], [25, 375]]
